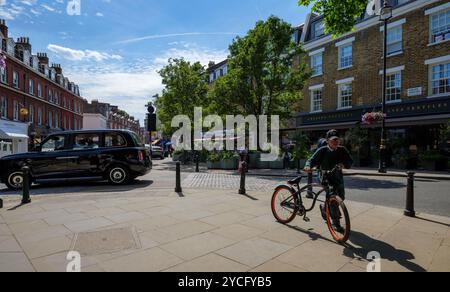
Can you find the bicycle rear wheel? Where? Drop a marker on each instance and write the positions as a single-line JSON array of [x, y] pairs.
[[284, 206], [338, 219]]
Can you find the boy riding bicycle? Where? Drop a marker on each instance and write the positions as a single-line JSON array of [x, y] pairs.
[[327, 158]]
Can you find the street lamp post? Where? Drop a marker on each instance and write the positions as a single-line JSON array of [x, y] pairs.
[[385, 16]]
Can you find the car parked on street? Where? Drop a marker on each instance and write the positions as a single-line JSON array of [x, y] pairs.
[[114, 155], [156, 151]]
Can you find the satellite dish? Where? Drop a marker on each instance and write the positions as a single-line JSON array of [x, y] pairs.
[[374, 7]]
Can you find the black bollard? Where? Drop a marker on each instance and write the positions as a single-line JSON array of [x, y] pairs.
[[242, 190], [197, 158], [26, 185], [410, 196], [1, 203], [178, 179]]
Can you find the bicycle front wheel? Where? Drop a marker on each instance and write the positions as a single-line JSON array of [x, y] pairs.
[[338, 219], [284, 206]]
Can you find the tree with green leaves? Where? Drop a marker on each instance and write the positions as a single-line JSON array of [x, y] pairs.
[[340, 16], [264, 75], [186, 87]]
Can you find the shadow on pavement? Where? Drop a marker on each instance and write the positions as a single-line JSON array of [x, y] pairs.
[[361, 245], [360, 183], [432, 221], [64, 187], [366, 244]]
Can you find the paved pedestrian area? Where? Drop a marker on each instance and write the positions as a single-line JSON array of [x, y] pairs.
[[229, 182], [147, 229]]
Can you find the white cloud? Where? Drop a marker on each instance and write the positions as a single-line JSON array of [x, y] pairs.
[[79, 55], [130, 86]]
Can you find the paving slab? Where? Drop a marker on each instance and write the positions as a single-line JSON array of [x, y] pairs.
[[196, 246], [15, 262], [212, 263], [9, 244], [317, 256], [275, 266], [88, 225], [152, 260], [238, 232], [253, 252]]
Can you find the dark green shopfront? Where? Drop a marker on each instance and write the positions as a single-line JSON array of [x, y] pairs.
[[418, 133]]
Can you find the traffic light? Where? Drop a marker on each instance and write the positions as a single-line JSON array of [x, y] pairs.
[[151, 122]]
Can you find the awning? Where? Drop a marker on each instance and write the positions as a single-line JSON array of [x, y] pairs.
[[11, 130]]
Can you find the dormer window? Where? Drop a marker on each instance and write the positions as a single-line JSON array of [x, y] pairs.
[[318, 29]]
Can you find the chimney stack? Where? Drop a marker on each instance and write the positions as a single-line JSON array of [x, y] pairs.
[[4, 28], [57, 68], [43, 59], [24, 43]]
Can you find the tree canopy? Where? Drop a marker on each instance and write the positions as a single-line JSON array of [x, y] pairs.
[[263, 75], [186, 87], [340, 16]]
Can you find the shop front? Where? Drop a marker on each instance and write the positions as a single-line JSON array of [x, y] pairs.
[[416, 132], [13, 137]]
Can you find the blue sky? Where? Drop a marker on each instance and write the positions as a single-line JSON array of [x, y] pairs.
[[114, 47]]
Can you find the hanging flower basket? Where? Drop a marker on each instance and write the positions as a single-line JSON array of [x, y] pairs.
[[372, 118]]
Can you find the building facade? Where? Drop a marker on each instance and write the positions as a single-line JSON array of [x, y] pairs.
[[106, 116], [34, 93], [215, 71], [348, 77]]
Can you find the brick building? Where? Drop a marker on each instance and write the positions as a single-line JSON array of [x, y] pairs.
[[347, 76], [98, 113], [34, 96]]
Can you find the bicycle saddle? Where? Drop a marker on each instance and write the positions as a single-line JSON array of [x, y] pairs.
[[295, 181]]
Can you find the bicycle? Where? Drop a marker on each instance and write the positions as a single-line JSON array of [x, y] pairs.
[[287, 203]]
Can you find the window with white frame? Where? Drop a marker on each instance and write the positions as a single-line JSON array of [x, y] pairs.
[[317, 64], [40, 118], [39, 88], [440, 79], [50, 95], [3, 108], [316, 99], [346, 56], [31, 113], [31, 86], [395, 40], [3, 75], [393, 87], [15, 111], [440, 26], [345, 95], [15, 79]]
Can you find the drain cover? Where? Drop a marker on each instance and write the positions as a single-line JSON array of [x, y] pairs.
[[105, 241]]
